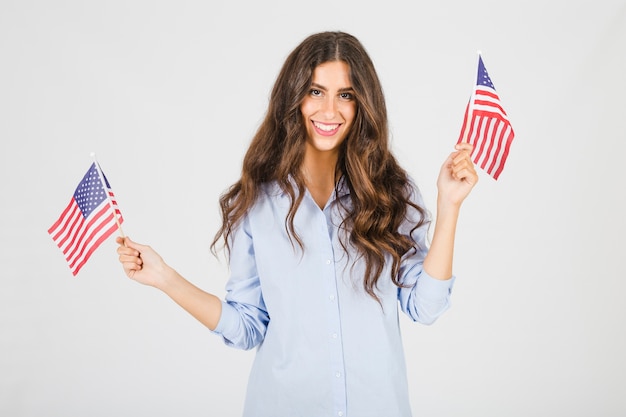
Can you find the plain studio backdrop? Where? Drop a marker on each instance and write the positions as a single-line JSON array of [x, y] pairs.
[[168, 95]]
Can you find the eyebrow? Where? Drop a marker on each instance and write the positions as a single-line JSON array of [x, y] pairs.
[[341, 90]]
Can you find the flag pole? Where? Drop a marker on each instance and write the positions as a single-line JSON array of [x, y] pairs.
[[478, 53], [104, 186], [470, 105]]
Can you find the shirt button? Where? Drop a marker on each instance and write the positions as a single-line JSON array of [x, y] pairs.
[[340, 414], [334, 335], [327, 261], [332, 297], [338, 374]]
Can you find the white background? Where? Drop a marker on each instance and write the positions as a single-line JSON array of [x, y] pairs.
[[168, 95]]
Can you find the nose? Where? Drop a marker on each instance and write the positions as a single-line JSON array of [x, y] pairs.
[[329, 107]]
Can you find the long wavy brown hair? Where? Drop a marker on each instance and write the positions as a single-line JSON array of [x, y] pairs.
[[380, 189]]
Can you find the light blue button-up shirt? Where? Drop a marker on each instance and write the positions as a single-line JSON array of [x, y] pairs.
[[324, 346]]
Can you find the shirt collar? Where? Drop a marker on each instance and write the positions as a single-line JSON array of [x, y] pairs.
[[342, 188]]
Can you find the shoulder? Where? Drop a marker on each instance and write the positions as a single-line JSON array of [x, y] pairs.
[[417, 210], [269, 191], [269, 197], [413, 192]]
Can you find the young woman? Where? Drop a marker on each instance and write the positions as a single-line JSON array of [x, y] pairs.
[[326, 236]]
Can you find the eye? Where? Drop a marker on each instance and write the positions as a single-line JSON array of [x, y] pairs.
[[315, 92], [347, 96]]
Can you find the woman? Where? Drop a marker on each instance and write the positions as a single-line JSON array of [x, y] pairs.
[[326, 236]]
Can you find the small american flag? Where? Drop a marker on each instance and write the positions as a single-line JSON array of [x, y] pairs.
[[88, 220], [486, 125]]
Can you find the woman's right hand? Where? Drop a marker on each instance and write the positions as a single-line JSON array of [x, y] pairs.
[[141, 263]]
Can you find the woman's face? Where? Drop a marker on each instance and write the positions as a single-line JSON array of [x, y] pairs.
[[329, 108]]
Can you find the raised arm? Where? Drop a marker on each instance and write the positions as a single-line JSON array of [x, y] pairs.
[[142, 264], [456, 179]]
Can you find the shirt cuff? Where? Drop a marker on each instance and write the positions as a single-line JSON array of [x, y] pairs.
[[228, 319], [433, 288]]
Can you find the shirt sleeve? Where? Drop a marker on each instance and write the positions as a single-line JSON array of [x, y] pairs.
[[244, 316], [423, 298]]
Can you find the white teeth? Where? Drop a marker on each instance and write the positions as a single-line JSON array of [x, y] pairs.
[[325, 128]]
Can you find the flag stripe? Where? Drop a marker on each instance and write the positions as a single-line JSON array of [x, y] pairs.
[[73, 227], [83, 239], [93, 247], [505, 152], [90, 235], [61, 219], [66, 223]]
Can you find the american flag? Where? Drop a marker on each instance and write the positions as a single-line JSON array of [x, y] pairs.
[[88, 220], [486, 125]]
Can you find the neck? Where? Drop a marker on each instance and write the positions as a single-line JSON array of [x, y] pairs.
[[319, 167], [319, 174]]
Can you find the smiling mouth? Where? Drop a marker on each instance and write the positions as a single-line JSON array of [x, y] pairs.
[[326, 129]]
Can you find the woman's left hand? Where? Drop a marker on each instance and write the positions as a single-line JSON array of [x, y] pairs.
[[457, 176]]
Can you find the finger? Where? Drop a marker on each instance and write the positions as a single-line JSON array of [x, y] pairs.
[[465, 172], [125, 251], [131, 270], [130, 258], [464, 146], [128, 255], [134, 245], [463, 153], [468, 175], [126, 241], [131, 266], [461, 160]]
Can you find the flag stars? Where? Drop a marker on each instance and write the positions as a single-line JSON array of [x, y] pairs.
[[487, 81], [90, 193], [483, 76]]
